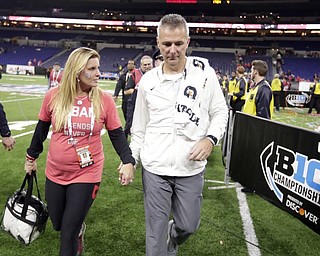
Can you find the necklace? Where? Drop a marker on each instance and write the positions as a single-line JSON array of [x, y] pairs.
[[80, 99]]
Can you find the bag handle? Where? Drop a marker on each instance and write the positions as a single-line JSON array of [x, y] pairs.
[[29, 178]]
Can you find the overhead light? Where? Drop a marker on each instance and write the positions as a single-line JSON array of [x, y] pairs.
[[290, 31], [276, 31]]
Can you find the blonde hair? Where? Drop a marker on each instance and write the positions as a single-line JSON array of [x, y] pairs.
[[62, 102]]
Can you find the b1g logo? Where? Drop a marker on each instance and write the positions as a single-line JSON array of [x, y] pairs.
[[291, 170]]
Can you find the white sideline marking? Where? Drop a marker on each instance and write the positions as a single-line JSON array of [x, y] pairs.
[[221, 187], [23, 134], [20, 135], [248, 227], [4, 101], [218, 181]]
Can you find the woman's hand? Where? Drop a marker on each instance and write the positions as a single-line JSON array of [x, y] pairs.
[[126, 173], [30, 165]]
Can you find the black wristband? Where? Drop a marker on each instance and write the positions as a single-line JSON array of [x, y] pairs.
[[213, 139]]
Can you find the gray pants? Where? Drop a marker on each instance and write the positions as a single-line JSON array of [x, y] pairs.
[[163, 195]]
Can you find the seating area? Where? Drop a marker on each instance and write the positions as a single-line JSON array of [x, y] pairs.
[[302, 67], [21, 55], [61, 58], [37, 35], [223, 62], [114, 58]]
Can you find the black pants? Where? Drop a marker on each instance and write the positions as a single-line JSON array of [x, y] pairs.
[[277, 99], [130, 111], [237, 105], [124, 106], [315, 102], [68, 206]]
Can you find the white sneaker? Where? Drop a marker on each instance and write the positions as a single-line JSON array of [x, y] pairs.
[[172, 247], [81, 239]]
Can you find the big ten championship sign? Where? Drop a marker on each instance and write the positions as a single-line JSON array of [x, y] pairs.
[[281, 163]]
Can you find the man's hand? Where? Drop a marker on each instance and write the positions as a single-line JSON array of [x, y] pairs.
[[8, 142], [201, 151]]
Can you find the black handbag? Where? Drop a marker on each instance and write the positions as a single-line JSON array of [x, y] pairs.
[[25, 215]]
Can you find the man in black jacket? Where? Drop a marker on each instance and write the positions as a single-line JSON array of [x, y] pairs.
[[7, 140], [121, 84]]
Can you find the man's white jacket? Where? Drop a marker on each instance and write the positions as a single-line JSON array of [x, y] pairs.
[[174, 112]]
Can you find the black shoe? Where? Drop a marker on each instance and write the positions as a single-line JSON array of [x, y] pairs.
[[247, 190]]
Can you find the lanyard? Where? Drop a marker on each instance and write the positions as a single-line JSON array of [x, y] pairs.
[[73, 141], [54, 76]]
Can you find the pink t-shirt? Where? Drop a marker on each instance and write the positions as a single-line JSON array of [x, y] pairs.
[[62, 162]]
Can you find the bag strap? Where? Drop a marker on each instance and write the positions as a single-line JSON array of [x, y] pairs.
[[29, 178], [24, 183], [38, 191]]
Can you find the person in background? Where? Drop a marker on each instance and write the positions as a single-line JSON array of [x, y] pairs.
[[225, 82], [180, 115], [240, 90], [78, 110], [231, 86], [277, 88], [157, 58], [120, 86], [132, 88], [7, 140], [55, 75], [315, 96], [259, 101]]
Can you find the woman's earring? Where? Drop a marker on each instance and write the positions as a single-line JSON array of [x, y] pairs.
[[78, 80]]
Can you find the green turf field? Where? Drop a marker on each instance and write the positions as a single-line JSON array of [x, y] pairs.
[[115, 223]]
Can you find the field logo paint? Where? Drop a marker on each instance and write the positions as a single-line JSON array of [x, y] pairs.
[[292, 171]]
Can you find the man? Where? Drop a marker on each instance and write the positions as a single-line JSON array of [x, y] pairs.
[[7, 140], [157, 57], [55, 75], [132, 87], [260, 99], [277, 88], [231, 86], [240, 89], [259, 102], [315, 96], [180, 115], [121, 84]]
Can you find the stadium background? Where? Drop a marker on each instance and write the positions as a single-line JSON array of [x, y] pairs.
[[221, 231], [44, 42]]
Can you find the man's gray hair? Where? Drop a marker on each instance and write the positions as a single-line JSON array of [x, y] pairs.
[[146, 57], [173, 20]]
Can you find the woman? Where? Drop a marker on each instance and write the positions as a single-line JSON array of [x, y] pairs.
[[77, 110]]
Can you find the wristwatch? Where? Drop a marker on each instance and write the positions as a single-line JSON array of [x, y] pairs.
[[7, 134], [212, 139]]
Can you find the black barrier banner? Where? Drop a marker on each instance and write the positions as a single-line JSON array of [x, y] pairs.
[[281, 163]]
